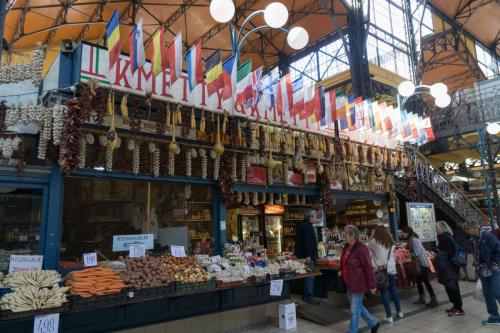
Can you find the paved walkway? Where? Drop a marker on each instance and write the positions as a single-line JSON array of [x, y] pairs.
[[418, 319]]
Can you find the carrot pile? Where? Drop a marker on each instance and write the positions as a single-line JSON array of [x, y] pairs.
[[95, 282]]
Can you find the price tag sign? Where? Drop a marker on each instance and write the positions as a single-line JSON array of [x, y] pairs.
[[20, 263], [215, 258], [46, 324], [90, 259], [177, 251], [276, 287], [246, 269], [222, 225], [137, 250]]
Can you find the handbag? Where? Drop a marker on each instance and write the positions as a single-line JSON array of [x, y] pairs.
[[381, 275]]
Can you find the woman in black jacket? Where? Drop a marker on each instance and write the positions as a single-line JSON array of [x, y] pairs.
[[447, 271]]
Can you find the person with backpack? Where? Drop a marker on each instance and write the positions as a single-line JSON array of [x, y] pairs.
[[462, 238], [446, 264], [486, 248]]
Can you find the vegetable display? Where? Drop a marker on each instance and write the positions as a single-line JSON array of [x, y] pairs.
[[33, 298], [185, 269], [94, 282], [35, 278], [146, 272]]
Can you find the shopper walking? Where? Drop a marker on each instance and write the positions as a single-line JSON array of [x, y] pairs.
[[358, 274], [467, 271], [486, 248], [419, 254], [382, 248], [306, 247], [448, 273]]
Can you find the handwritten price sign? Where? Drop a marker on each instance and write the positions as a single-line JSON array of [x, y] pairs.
[[90, 259], [137, 251], [276, 288], [46, 324], [177, 251]]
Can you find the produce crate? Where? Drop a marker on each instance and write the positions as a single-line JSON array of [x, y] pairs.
[[259, 279], [195, 286], [9, 315], [145, 293], [82, 303], [221, 284], [287, 274], [271, 277]]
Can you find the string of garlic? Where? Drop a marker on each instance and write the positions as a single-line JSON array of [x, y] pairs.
[[239, 196], [255, 199], [271, 199], [246, 200], [280, 199], [136, 155], [156, 161], [216, 166], [45, 134], [234, 166], [187, 191], [171, 163], [24, 117], [109, 159], [189, 163], [262, 198], [57, 123], [82, 153], [285, 199], [204, 163], [243, 169]]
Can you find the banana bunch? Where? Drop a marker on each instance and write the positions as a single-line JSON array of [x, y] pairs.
[[36, 278], [33, 298]]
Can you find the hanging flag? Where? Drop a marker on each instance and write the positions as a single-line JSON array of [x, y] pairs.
[[113, 39], [136, 48], [330, 99], [256, 87], [422, 138], [298, 96], [194, 68], [342, 108], [158, 52], [366, 114], [175, 58], [360, 114], [285, 95], [388, 112], [244, 83], [229, 70], [405, 124], [319, 106], [308, 108], [412, 118], [371, 118], [429, 133], [269, 88], [381, 116], [214, 75]]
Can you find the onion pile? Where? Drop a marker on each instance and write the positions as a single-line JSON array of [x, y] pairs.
[[185, 269]]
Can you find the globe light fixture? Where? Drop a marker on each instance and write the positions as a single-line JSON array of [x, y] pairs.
[[222, 10], [443, 101], [493, 128], [438, 90], [297, 38], [276, 15], [406, 88]]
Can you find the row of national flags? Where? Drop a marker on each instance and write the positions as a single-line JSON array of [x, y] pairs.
[[291, 99]]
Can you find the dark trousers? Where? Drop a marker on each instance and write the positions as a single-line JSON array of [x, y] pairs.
[[422, 279], [453, 290]]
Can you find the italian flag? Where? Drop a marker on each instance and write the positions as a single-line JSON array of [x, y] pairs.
[[244, 86]]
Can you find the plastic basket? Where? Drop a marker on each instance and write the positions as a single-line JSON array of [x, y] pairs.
[[259, 279], [145, 293], [81, 303], [9, 315], [195, 286], [287, 274]]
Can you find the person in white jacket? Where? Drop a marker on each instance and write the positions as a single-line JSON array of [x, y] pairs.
[[382, 249]]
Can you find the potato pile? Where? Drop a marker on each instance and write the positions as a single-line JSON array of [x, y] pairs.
[[185, 269], [146, 272]]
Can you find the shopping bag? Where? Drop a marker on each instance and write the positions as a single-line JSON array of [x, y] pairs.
[[478, 291], [431, 265]]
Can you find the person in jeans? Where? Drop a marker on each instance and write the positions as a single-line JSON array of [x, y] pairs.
[[358, 274], [419, 254], [467, 271], [486, 249], [448, 273], [382, 249], [306, 247]]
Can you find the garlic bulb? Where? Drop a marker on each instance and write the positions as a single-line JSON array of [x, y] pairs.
[[103, 140], [151, 147], [89, 138], [57, 126]]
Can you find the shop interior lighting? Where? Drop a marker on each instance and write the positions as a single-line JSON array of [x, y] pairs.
[[443, 101], [493, 128], [222, 10], [276, 15], [438, 90], [406, 88], [297, 38]]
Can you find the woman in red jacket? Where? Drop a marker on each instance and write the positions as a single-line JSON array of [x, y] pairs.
[[359, 276]]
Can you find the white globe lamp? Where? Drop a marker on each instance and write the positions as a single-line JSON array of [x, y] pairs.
[[443, 101], [406, 88], [297, 38], [276, 15], [493, 128], [222, 10], [438, 90]]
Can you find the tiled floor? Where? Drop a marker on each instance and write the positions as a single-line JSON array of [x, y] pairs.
[[418, 319]]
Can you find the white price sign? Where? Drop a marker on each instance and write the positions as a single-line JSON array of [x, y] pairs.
[[137, 251], [177, 251], [90, 259], [46, 324], [246, 269], [25, 263], [276, 287], [216, 258]]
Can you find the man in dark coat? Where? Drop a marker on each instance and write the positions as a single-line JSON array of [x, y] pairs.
[[306, 247], [467, 271]]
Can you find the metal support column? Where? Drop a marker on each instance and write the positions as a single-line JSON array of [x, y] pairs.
[[492, 179], [54, 219], [3, 13]]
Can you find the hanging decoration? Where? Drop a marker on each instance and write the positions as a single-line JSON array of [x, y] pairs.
[[71, 136]]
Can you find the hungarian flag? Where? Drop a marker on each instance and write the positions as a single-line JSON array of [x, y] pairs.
[[194, 68], [244, 84], [308, 109], [175, 58], [298, 96], [330, 100], [285, 95], [113, 39], [213, 74], [229, 69], [136, 48], [158, 52]]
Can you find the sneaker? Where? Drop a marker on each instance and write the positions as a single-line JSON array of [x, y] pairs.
[[389, 320], [491, 321], [375, 328], [450, 310], [456, 313], [400, 315]]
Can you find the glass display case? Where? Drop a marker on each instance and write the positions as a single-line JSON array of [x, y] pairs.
[[274, 234], [250, 232]]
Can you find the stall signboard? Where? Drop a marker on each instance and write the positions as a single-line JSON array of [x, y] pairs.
[[20, 263], [274, 209], [95, 66], [257, 175], [422, 219], [123, 242]]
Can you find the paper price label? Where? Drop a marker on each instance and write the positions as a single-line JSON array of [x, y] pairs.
[[20, 263], [46, 324], [216, 258], [90, 259], [177, 251], [246, 269], [276, 288], [137, 251]]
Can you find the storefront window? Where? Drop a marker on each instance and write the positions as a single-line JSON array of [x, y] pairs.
[[20, 217], [95, 210]]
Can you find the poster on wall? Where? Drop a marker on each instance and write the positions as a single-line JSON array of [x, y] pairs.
[[422, 219]]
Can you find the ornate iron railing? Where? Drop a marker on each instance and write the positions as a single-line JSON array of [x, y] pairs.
[[426, 174]]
